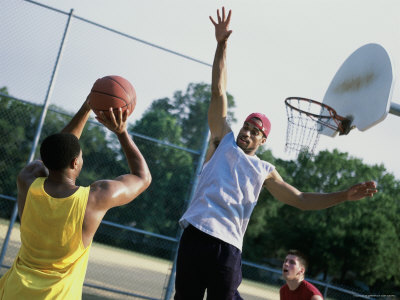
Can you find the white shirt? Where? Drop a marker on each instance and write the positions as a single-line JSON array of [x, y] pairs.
[[229, 186]]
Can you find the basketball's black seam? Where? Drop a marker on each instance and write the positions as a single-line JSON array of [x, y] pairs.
[[99, 92], [126, 93]]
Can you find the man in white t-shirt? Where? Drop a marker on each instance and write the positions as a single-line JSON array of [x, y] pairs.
[[209, 255]]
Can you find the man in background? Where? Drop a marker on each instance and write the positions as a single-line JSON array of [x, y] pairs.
[[296, 287]]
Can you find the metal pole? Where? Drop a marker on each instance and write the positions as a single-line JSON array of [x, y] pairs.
[[38, 132], [395, 109], [171, 281], [326, 292]]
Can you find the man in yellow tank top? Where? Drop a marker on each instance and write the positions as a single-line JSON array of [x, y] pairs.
[[59, 219]]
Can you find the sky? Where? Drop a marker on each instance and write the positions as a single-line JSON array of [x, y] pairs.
[[277, 49]]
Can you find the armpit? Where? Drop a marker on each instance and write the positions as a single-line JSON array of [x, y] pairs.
[[215, 142]]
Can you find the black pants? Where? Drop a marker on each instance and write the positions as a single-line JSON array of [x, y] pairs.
[[205, 262]]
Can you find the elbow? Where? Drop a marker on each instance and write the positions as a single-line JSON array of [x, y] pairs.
[[302, 207], [305, 203], [147, 180], [301, 203], [217, 90]]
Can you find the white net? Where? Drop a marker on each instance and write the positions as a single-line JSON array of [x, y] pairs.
[[306, 118]]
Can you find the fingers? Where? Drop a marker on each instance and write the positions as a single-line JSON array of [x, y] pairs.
[[114, 119], [371, 184], [362, 190], [125, 115], [222, 19], [212, 20], [112, 116], [370, 187], [228, 20]]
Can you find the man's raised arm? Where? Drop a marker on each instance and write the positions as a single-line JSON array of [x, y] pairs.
[[78, 122], [219, 104]]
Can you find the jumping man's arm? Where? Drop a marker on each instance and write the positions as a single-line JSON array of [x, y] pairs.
[[217, 111], [288, 194]]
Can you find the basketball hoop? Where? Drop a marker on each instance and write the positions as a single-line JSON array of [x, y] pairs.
[[306, 119]]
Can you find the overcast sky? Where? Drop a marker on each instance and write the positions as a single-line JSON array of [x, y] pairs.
[[277, 49]]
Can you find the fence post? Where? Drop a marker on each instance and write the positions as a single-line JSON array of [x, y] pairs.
[[38, 132], [171, 280], [325, 291]]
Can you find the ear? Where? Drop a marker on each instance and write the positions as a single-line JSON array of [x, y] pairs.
[[74, 163], [263, 140], [302, 270]]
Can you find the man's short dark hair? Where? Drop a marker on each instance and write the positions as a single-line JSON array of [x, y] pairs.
[[301, 256], [58, 150]]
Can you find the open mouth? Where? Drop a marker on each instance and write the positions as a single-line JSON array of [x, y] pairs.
[[243, 140]]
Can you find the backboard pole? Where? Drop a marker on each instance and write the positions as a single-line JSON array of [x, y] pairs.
[[395, 109]]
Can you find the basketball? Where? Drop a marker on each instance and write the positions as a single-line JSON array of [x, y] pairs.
[[112, 91]]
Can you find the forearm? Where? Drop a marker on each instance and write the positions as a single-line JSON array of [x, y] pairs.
[[288, 194], [77, 123], [136, 162], [218, 108], [316, 201], [219, 72]]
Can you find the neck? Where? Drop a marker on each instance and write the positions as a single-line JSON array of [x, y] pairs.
[[294, 283], [248, 151], [61, 178]]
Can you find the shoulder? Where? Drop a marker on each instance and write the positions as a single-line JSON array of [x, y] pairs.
[[268, 167], [99, 191], [315, 292], [273, 177], [30, 172]]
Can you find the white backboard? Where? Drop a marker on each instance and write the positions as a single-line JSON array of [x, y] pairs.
[[362, 88]]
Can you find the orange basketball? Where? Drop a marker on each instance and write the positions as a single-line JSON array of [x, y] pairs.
[[112, 91]]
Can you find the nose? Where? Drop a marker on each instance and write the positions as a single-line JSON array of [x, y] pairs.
[[285, 264], [245, 132]]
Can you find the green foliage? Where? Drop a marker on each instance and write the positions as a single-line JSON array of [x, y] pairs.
[[171, 171], [17, 124]]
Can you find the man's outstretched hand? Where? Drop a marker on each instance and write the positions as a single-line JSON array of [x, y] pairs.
[[361, 190], [222, 31]]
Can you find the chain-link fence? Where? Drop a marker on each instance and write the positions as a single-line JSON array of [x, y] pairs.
[[47, 58]]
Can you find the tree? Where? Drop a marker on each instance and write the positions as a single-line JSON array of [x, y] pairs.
[[18, 121], [190, 110]]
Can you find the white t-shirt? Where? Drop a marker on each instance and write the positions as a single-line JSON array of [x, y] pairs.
[[229, 186]]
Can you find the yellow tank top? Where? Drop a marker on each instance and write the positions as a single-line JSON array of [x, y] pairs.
[[52, 260]]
